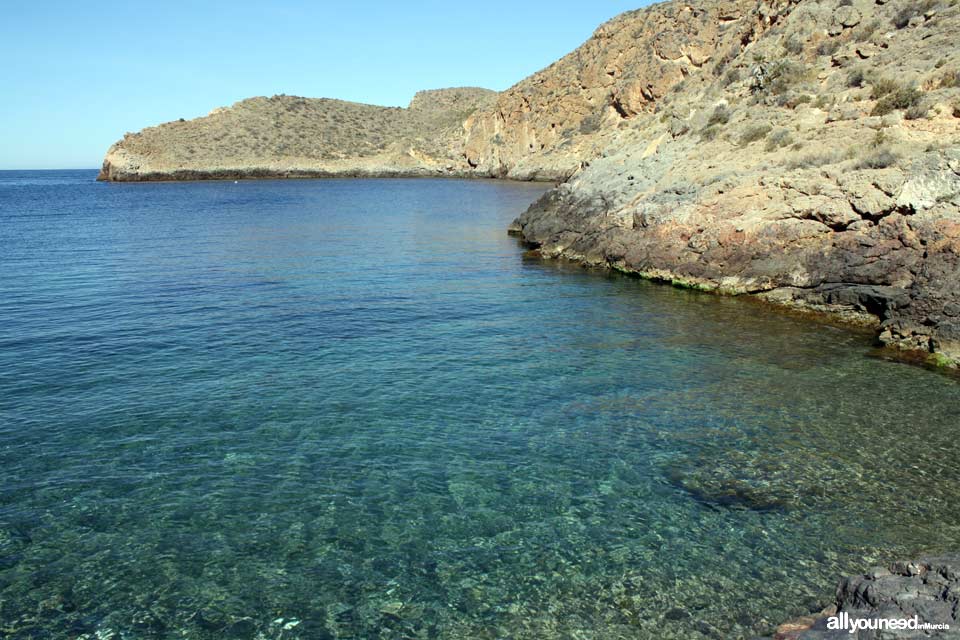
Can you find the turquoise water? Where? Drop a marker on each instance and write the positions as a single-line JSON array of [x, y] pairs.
[[352, 409]]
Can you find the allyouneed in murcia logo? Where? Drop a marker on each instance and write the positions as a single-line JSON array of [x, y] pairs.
[[843, 621]]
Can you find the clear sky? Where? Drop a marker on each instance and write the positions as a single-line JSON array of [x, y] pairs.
[[77, 75]]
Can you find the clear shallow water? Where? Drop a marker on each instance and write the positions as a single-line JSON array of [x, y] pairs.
[[351, 409]]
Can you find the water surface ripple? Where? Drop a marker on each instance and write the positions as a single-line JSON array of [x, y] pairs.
[[351, 409]]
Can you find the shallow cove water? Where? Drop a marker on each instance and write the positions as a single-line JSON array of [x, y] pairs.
[[351, 409]]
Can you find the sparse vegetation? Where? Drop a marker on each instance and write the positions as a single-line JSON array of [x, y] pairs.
[[784, 75], [721, 115], [882, 86], [709, 133], [828, 47], [779, 138], [793, 46], [901, 98], [814, 160], [855, 78], [281, 126], [902, 18], [732, 75], [724, 60], [591, 123], [917, 112], [950, 79], [824, 101], [910, 10], [754, 133], [791, 100], [878, 158], [866, 31]]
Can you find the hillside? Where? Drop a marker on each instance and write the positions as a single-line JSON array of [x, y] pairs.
[[804, 151], [288, 136], [813, 159]]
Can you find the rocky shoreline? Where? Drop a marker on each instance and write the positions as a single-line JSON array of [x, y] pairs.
[[928, 589], [262, 173]]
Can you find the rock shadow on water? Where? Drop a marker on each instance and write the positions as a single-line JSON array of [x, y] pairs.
[[761, 483]]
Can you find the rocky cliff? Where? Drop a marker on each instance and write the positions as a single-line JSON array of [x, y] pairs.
[[804, 151]]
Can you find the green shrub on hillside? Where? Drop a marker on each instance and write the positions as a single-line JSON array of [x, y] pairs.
[[784, 75], [732, 75], [709, 133], [754, 133], [793, 46], [917, 111], [882, 86], [828, 47], [779, 138], [824, 101], [903, 98], [866, 31], [880, 158], [911, 10], [721, 115], [814, 160]]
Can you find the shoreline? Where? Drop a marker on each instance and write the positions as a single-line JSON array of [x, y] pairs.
[[836, 315], [924, 590], [386, 175], [839, 316], [194, 175]]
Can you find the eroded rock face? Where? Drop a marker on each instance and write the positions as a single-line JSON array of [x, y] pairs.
[[778, 171], [547, 124]]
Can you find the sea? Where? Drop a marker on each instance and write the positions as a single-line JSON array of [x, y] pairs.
[[327, 409]]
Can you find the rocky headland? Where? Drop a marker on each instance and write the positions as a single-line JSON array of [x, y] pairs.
[[803, 151], [292, 137]]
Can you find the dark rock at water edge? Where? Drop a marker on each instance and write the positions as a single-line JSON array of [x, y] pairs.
[[928, 589]]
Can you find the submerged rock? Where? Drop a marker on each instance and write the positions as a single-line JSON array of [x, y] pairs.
[[745, 482]]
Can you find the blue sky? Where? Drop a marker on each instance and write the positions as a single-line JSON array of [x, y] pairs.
[[76, 76]]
